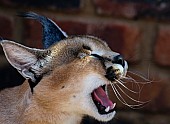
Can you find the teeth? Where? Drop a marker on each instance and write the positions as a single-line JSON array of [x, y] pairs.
[[113, 105], [106, 90], [107, 109]]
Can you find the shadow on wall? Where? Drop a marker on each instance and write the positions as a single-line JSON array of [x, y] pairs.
[[10, 77]]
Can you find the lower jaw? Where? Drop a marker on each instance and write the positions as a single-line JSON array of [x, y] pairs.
[[106, 117], [93, 112], [102, 111], [100, 108]]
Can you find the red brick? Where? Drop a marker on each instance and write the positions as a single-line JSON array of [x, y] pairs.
[[133, 9], [162, 46], [48, 4], [5, 2], [110, 7], [6, 28], [162, 101], [136, 117], [73, 27], [33, 33], [121, 37]]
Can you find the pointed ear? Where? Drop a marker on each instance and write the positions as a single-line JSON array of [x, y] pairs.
[[52, 33], [28, 61]]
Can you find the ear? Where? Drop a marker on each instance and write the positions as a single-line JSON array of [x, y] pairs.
[[28, 61], [52, 33]]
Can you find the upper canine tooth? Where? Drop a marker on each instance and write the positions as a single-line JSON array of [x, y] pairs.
[[107, 109], [113, 106]]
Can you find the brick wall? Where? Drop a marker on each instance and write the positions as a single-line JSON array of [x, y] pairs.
[[138, 30]]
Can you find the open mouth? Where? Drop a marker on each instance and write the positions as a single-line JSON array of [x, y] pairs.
[[102, 101]]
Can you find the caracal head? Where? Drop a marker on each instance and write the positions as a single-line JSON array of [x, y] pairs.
[[70, 76]]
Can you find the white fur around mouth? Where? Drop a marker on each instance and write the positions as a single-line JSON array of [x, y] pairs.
[[96, 81], [101, 117]]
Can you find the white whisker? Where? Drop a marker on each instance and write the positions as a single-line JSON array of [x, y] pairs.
[[126, 87], [128, 95], [122, 100], [139, 82], [117, 94], [142, 77]]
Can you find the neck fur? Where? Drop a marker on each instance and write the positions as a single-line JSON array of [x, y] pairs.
[[37, 114], [50, 118]]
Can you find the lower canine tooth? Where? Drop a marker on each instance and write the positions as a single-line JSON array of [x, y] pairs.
[[107, 109]]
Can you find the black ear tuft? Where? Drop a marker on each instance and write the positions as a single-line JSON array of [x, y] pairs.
[[51, 32]]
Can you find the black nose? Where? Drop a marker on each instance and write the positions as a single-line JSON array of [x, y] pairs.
[[119, 60]]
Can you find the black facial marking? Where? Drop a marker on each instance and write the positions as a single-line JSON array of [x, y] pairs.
[[110, 75], [110, 72], [62, 87], [87, 48], [99, 57], [33, 84]]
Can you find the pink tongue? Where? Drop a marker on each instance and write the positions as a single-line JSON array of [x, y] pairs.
[[100, 96]]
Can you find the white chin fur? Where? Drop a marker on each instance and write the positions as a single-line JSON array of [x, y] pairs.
[[93, 112], [125, 68], [118, 67], [87, 104], [105, 117]]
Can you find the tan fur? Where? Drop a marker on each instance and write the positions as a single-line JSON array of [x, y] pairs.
[[63, 94]]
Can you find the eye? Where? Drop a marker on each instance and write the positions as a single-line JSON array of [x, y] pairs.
[[86, 51], [87, 48], [119, 60]]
